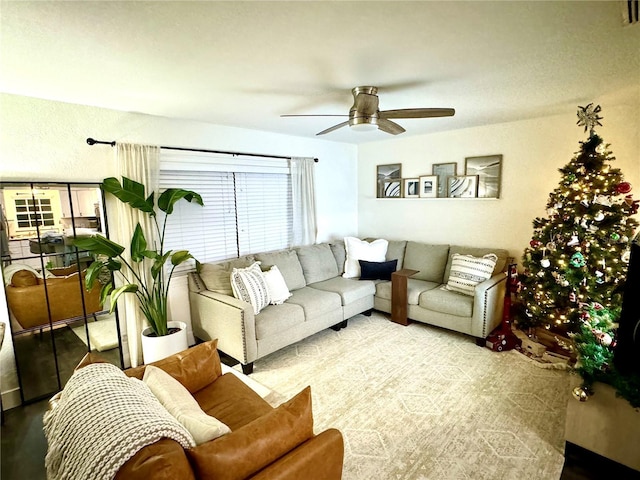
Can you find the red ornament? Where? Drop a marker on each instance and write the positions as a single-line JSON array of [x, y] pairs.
[[623, 187], [535, 243]]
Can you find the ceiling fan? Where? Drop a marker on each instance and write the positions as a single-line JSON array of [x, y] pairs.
[[364, 114]]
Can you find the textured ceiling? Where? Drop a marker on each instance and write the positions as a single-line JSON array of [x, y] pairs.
[[246, 63]]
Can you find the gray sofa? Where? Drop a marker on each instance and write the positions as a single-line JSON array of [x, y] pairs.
[[322, 298]]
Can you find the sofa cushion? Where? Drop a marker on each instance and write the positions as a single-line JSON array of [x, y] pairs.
[[24, 278], [340, 255], [315, 302], [231, 401], [377, 270], [278, 318], [318, 262], [348, 289], [217, 276], [468, 271], [429, 260], [194, 368], [252, 447], [249, 286], [414, 290], [276, 286], [362, 250], [395, 251], [501, 263], [162, 460], [445, 301], [288, 264], [182, 406]]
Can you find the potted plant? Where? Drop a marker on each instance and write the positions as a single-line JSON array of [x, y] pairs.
[[144, 276]]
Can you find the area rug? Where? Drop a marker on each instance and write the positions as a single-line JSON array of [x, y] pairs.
[[102, 333], [419, 402]]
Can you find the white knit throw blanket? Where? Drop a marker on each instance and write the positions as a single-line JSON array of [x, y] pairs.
[[102, 419]]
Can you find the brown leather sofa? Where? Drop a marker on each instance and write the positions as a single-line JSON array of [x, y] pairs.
[[264, 443], [27, 298]]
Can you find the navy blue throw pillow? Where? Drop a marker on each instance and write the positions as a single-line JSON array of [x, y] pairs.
[[377, 270]]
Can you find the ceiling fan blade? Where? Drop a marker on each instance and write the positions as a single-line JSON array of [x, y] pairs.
[[418, 113], [335, 127], [312, 115], [389, 126]]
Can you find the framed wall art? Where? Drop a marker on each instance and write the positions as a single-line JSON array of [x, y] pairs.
[[389, 178], [411, 187], [489, 172], [428, 185], [462, 186], [443, 171]]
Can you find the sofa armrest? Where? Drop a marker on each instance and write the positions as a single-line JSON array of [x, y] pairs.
[[319, 458], [488, 305], [231, 321]]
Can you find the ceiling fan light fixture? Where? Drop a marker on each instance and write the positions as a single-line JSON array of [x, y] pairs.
[[364, 124]]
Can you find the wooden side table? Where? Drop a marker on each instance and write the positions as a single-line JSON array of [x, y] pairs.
[[399, 295]]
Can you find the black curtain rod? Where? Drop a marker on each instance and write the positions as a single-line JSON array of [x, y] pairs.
[[92, 141]]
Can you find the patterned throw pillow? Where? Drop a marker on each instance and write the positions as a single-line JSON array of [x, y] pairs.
[[248, 285], [468, 271]]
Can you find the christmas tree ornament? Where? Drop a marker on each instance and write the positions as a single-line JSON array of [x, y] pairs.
[[588, 117], [545, 263], [603, 338], [551, 246], [626, 255], [615, 236], [581, 393], [558, 205], [593, 228], [574, 240], [584, 203], [573, 297], [578, 260], [552, 212], [623, 187], [603, 200], [599, 217], [535, 243], [571, 177]]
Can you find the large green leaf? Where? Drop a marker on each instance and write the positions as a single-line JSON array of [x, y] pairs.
[[99, 245], [92, 274], [180, 256], [170, 196], [115, 294], [159, 262], [104, 293], [138, 244], [130, 192]]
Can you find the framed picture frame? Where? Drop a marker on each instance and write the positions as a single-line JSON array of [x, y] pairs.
[[428, 186], [444, 171], [388, 180], [462, 186], [411, 188], [489, 171]]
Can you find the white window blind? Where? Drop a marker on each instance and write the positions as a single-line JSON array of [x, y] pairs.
[[246, 210]]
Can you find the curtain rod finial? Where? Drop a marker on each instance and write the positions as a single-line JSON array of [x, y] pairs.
[[91, 141]]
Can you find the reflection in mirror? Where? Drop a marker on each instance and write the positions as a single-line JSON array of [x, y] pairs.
[[54, 319]]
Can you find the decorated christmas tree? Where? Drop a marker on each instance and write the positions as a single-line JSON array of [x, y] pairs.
[[578, 254]]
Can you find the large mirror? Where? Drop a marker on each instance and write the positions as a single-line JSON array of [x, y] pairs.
[[54, 319]]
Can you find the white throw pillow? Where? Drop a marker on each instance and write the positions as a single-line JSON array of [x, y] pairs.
[[357, 249], [468, 271], [248, 285], [182, 406], [276, 285]]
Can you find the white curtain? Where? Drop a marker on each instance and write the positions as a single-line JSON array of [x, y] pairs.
[[140, 163], [303, 201]]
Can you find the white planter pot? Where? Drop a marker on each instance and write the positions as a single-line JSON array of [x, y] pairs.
[[157, 348]]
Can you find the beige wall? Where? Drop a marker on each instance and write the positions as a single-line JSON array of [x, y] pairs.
[[533, 150]]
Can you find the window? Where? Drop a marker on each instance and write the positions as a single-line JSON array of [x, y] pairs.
[[247, 205], [31, 212]]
